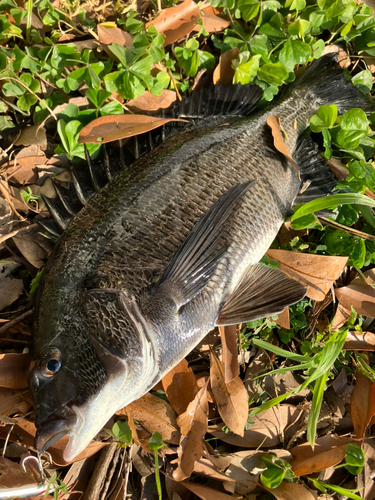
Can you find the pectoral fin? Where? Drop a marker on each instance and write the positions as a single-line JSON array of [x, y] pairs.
[[262, 291], [193, 264]]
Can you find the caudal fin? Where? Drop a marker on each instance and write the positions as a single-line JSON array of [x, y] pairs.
[[331, 85]]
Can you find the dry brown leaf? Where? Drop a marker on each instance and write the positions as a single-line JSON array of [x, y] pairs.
[[212, 23], [14, 401], [224, 71], [113, 127], [8, 194], [283, 319], [343, 58], [205, 467], [230, 352], [266, 430], [341, 316], [328, 451], [33, 135], [77, 478], [359, 295], [152, 103], [155, 415], [10, 290], [193, 424], [291, 491], [206, 493], [180, 386], [355, 341], [231, 397], [317, 272], [176, 22], [279, 140], [28, 246], [24, 170], [13, 475], [362, 404], [107, 36], [14, 370]]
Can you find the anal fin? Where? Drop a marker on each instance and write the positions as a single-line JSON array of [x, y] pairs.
[[262, 291]]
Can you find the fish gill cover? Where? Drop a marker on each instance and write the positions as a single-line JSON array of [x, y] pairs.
[[171, 225]]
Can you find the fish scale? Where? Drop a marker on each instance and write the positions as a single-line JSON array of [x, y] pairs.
[[169, 249]]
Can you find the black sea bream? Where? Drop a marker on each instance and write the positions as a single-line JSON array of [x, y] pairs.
[[167, 250]]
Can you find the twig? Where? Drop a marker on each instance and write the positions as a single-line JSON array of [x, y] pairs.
[[14, 321]]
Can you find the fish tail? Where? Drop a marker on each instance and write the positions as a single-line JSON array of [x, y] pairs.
[[333, 85], [316, 178]]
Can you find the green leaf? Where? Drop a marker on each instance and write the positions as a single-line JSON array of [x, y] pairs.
[[112, 108], [332, 201], [246, 72], [358, 254], [271, 478], [308, 221], [299, 28], [119, 52], [3, 61], [156, 441], [294, 52], [325, 118], [122, 432], [72, 130], [273, 73], [249, 8], [12, 90], [363, 81], [353, 127], [316, 405], [64, 55]]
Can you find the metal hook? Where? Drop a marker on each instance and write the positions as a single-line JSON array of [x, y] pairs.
[[38, 460]]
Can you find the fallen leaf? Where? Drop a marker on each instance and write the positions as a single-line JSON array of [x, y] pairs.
[[230, 352], [341, 316], [342, 59], [152, 103], [193, 424], [33, 135], [328, 451], [231, 397], [279, 140], [317, 272], [113, 127], [205, 468], [12, 474], [206, 493], [212, 23], [29, 248], [107, 36], [265, 428], [366, 478], [24, 170], [359, 294], [287, 233], [14, 401], [155, 415], [291, 491], [180, 386], [283, 319], [77, 478], [362, 404], [355, 341], [176, 22], [10, 290], [14, 370], [340, 171], [8, 194]]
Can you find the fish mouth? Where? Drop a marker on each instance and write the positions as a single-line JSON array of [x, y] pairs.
[[53, 428]]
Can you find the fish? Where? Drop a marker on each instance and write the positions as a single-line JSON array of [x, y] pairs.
[[170, 248]]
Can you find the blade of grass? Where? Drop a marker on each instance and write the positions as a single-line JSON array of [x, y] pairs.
[[279, 351], [316, 404]]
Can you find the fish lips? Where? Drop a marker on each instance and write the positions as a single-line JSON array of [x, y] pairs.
[[53, 428]]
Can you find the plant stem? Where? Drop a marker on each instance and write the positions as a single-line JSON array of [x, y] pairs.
[[157, 475], [28, 20]]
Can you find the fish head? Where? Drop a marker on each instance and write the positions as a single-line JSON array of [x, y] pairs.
[[96, 361]]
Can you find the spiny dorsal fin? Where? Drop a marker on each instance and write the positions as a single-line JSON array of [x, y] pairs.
[[193, 264], [262, 291]]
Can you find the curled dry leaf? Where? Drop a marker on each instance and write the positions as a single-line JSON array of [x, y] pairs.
[[24, 170], [283, 319], [193, 424], [362, 404], [10, 290], [224, 71], [176, 22], [360, 295], [155, 415], [231, 397], [364, 341], [317, 272], [205, 468], [230, 352], [14, 370], [328, 451], [212, 23], [14, 401], [341, 316], [265, 429], [33, 135], [152, 103], [279, 138], [180, 386], [291, 491], [113, 127], [29, 248]]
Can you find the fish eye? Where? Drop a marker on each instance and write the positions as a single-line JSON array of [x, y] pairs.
[[51, 362]]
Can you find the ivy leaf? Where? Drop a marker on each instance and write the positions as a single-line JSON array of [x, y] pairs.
[[363, 81], [273, 73], [299, 28], [325, 118], [246, 72], [354, 127], [294, 52], [248, 8]]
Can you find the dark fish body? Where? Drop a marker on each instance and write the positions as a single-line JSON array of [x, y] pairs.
[[158, 258]]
